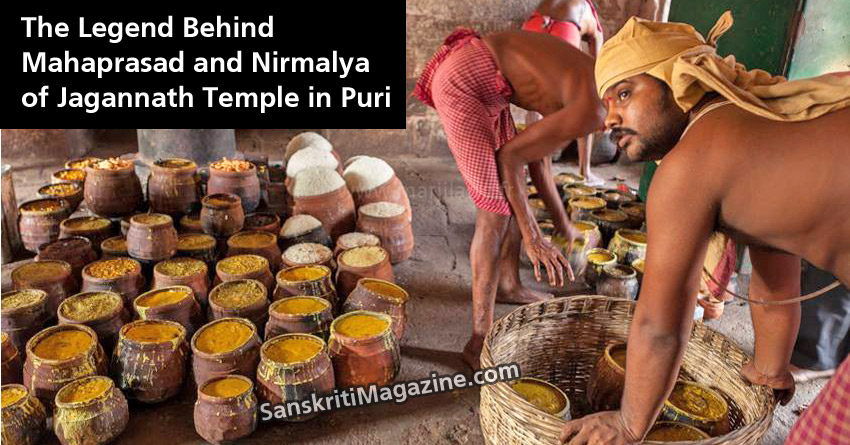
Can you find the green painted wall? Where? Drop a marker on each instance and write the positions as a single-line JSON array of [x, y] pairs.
[[823, 43], [757, 39]]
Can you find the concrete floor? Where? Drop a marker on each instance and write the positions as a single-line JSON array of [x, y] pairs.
[[438, 279]]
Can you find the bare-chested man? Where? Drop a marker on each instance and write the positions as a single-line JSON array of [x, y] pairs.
[[754, 156], [573, 21], [471, 81]]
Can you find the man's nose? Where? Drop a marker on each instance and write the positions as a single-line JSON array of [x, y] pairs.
[[612, 117]]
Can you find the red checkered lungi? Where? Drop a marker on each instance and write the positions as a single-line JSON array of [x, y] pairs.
[[471, 97], [827, 420]]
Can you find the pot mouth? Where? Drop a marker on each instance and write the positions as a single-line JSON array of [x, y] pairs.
[[233, 166], [162, 298], [116, 165], [221, 201], [252, 239], [242, 265], [699, 396], [195, 241], [382, 209], [212, 340], [62, 244], [22, 300], [525, 385], [619, 271], [363, 257], [691, 432], [299, 306], [70, 174], [13, 394], [305, 254], [223, 388], [111, 270], [386, 290], [615, 349], [82, 163], [609, 215], [114, 245], [303, 274], [84, 341], [607, 257], [151, 220], [181, 267], [351, 240], [91, 307], [587, 202], [292, 349], [44, 206], [638, 265], [153, 333], [175, 164], [84, 392], [361, 326], [238, 294], [631, 236], [60, 190], [257, 220], [39, 272], [584, 225], [85, 224]]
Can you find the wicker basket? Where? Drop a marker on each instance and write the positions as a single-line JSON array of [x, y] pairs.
[[561, 339]]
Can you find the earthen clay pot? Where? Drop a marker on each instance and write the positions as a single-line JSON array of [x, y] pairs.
[[183, 309], [70, 192], [22, 314], [570, 191], [713, 308], [677, 410], [605, 389], [290, 315], [266, 222], [12, 365], [395, 232], [173, 187], [241, 267], [191, 223], [39, 220], [47, 373], [614, 198], [114, 247], [369, 359], [103, 312], [113, 192], [334, 209], [216, 351], [360, 262], [316, 281], [98, 418], [94, 228], [256, 242], [69, 176], [376, 295], [222, 214], [129, 285], [244, 184], [253, 306], [609, 221], [580, 207], [390, 191], [25, 418], [82, 163], [152, 236], [629, 245], [597, 259], [308, 254], [224, 418], [618, 281], [52, 276], [591, 233], [189, 272], [636, 211], [199, 246], [283, 382], [149, 363], [318, 236], [354, 239], [76, 251]]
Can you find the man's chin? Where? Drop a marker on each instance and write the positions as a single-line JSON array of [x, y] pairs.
[[638, 153]]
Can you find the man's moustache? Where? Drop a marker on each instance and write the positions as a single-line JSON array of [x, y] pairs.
[[618, 133]]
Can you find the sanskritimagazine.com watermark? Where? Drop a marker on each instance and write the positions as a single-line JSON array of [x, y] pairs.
[[398, 392]]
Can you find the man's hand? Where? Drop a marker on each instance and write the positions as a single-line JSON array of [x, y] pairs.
[[541, 251], [605, 428], [783, 386]]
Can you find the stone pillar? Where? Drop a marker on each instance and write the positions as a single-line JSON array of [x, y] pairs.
[[79, 142], [201, 146], [11, 237]]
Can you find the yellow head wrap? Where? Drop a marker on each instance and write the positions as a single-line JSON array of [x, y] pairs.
[[679, 56]]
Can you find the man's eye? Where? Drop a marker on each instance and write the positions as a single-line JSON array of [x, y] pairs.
[[623, 94]]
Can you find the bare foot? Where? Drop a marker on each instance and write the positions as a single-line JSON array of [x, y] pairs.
[[592, 180], [520, 295], [472, 353], [802, 375]]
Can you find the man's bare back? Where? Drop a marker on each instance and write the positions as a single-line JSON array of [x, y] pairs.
[[544, 72], [778, 184]]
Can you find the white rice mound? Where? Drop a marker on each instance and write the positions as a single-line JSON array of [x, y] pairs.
[[382, 209], [352, 159], [310, 157], [357, 239], [367, 173], [314, 181], [307, 253], [307, 139], [298, 225]]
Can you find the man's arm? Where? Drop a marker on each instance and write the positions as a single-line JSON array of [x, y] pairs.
[[580, 116], [776, 276]]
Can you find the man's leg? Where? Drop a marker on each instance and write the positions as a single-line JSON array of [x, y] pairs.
[[484, 253], [585, 145], [511, 289]]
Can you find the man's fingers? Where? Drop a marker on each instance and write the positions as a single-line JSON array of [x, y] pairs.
[[536, 264], [550, 271], [569, 430], [582, 438]]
